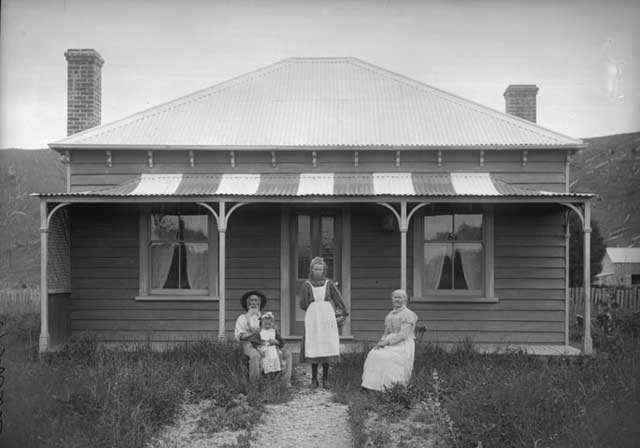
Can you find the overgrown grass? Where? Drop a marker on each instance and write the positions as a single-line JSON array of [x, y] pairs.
[[512, 399], [86, 395]]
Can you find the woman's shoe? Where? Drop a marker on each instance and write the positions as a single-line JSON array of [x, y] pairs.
[[314, 383]]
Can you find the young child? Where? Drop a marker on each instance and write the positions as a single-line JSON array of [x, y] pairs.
[[270, 345]]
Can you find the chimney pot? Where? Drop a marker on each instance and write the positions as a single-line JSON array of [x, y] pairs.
[[520, 100], [84, 89]]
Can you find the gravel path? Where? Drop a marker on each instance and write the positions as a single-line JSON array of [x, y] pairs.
[[309, 420], [186, 434]]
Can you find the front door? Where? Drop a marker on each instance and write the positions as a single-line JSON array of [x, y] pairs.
[[314, 233]]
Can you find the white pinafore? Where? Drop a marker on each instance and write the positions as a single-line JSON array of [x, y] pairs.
[[270, 361], [321, 330]]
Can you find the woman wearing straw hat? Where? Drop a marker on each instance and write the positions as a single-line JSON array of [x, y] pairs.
[[325, 313]]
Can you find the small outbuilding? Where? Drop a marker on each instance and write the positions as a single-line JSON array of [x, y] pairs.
[[620, 266], [172, 213]]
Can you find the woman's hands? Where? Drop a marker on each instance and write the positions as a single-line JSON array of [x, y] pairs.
[[381, 343]]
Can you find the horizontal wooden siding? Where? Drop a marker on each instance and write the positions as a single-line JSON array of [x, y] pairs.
[[105, 276], [529, 282]]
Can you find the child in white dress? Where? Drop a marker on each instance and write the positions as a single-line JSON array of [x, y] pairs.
[[270, 345]]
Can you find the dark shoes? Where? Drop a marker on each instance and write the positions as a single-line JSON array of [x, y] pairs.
[[315, 385]]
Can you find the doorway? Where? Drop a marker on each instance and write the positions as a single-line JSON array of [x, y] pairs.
[[314, 233]]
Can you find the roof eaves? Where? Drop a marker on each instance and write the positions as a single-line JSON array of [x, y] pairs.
[[155, 147]]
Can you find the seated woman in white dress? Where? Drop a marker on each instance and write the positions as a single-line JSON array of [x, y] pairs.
[[391, 360]]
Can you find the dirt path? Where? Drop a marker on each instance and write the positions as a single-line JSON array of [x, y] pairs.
[[309, 420]]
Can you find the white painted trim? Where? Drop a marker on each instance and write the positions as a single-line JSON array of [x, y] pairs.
[[143, 252], [587, 343], [222, 232], [567, 237], [176, 298], [67, 161], [157, 184], [315, 184], [345, 259], [485, 296], [213, 256], [59, 291], [418, 257], [567, 173], [44, 294], [403, 246], [489, 248], [285, 281], [144, 231], [54, 210], [307, 200], [473, 184], [456, 299]]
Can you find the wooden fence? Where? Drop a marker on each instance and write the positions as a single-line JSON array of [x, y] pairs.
[[626, 298], [19, 301]]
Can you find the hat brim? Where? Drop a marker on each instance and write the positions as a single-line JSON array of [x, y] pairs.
[[246, 295]]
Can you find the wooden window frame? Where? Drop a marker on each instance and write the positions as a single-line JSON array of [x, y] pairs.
[[145, 290], [487, 295]]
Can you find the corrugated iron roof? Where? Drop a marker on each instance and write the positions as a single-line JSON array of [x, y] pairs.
[[316, 184], [320, 102], [624, 254]]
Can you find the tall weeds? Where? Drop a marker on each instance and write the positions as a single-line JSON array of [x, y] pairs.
[[106, 397], [513, 399]]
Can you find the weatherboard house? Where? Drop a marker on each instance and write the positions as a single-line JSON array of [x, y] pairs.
[[172, 213]]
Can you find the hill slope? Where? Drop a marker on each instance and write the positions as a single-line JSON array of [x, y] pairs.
[[610, 167], [22, 173]]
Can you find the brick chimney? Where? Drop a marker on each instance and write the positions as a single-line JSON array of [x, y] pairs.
[[520, 100], [84, 89]]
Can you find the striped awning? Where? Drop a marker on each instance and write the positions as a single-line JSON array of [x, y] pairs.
[[315, 184]]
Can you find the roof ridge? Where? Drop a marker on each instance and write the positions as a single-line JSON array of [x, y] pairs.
[[448, 96]]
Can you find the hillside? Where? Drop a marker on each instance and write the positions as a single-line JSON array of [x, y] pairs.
[[610, 167], [22, 173]]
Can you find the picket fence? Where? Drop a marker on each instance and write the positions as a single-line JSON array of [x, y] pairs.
[[626, 298], [19, 301]]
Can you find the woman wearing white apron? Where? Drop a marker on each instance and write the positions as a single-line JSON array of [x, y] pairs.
[[322, 302], [391, 360]]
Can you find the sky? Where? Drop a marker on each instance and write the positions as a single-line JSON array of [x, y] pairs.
[[584, 55]]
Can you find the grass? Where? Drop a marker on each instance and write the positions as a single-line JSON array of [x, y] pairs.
[[85, 395], [90, 396], [511, 399]]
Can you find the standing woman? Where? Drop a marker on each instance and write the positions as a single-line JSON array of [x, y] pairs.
[[325, 312], [391, 360]]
